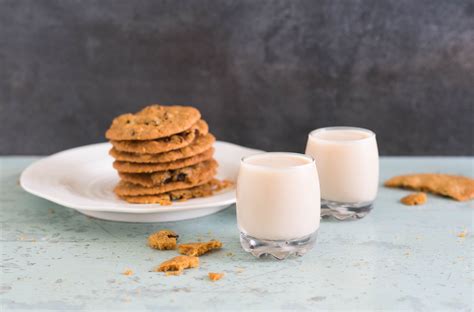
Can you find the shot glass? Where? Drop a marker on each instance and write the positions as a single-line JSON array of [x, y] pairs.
[[278, 204], [348, 168]]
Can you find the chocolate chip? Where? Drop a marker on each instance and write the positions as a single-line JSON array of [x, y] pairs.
[[181, 177]]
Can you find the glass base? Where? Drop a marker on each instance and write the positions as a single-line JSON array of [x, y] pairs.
[[279, 249], [345, 211]]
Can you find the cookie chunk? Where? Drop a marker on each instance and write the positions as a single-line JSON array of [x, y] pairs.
[[162, 145], [128, 189], [177, 264], [153, 122], [198, 249], [198, 146], [414, 199], [166, 198], [128, 167], [458, 187], [215, 276], [188, 174], [163, 240]]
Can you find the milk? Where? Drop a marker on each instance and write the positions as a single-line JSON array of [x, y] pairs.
[[347, 162], [278, 196]]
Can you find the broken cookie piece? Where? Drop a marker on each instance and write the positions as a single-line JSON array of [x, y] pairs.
[[176, 265], [215, 276], [414, 199], [458, 187], [163, 240], [198, 249]]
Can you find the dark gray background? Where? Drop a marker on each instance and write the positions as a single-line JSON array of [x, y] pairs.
[[263, 73]]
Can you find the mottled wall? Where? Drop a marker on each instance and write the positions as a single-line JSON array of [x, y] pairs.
[[263, 73]]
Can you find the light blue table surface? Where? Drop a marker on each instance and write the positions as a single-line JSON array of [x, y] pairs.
[[397, 258]]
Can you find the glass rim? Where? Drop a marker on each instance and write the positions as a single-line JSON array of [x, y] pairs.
[[305, 156], [333, 128]]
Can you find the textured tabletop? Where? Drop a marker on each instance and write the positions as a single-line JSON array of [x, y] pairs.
[[398, 257]]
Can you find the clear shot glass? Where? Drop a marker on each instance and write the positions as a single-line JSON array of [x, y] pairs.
[[348, 167], [278, 204]]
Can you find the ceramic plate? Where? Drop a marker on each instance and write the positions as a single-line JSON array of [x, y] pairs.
[[83, 178]]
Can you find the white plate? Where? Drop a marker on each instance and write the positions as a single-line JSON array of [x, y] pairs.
[[83, 178]]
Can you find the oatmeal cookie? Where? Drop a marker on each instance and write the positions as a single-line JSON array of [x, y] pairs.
[[198, 146], [123, 166], [153, 122], [187, 174], [203, 190], [162, 145], [128, 189]]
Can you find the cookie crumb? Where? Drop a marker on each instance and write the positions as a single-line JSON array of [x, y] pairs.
[[198, 249], [462, 234], [176, 265], [163, 240], [127, 272], [223, 185], [414, 199], [215, 276]]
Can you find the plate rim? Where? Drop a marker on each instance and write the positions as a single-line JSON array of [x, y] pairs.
[[132, 208]]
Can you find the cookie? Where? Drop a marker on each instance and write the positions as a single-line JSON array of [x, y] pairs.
[[162, 145], [153, 122], [458, 187], [201, 144], [414, 199], [123, 166], [128, 189], [163, 240], [178, 264], [198, 249], [203, 190], [187, 174]]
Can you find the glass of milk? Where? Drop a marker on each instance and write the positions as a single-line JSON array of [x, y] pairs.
[[278, 204], [348, 169]]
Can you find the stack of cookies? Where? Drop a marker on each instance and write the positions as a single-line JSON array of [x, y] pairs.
[[163, 153]]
